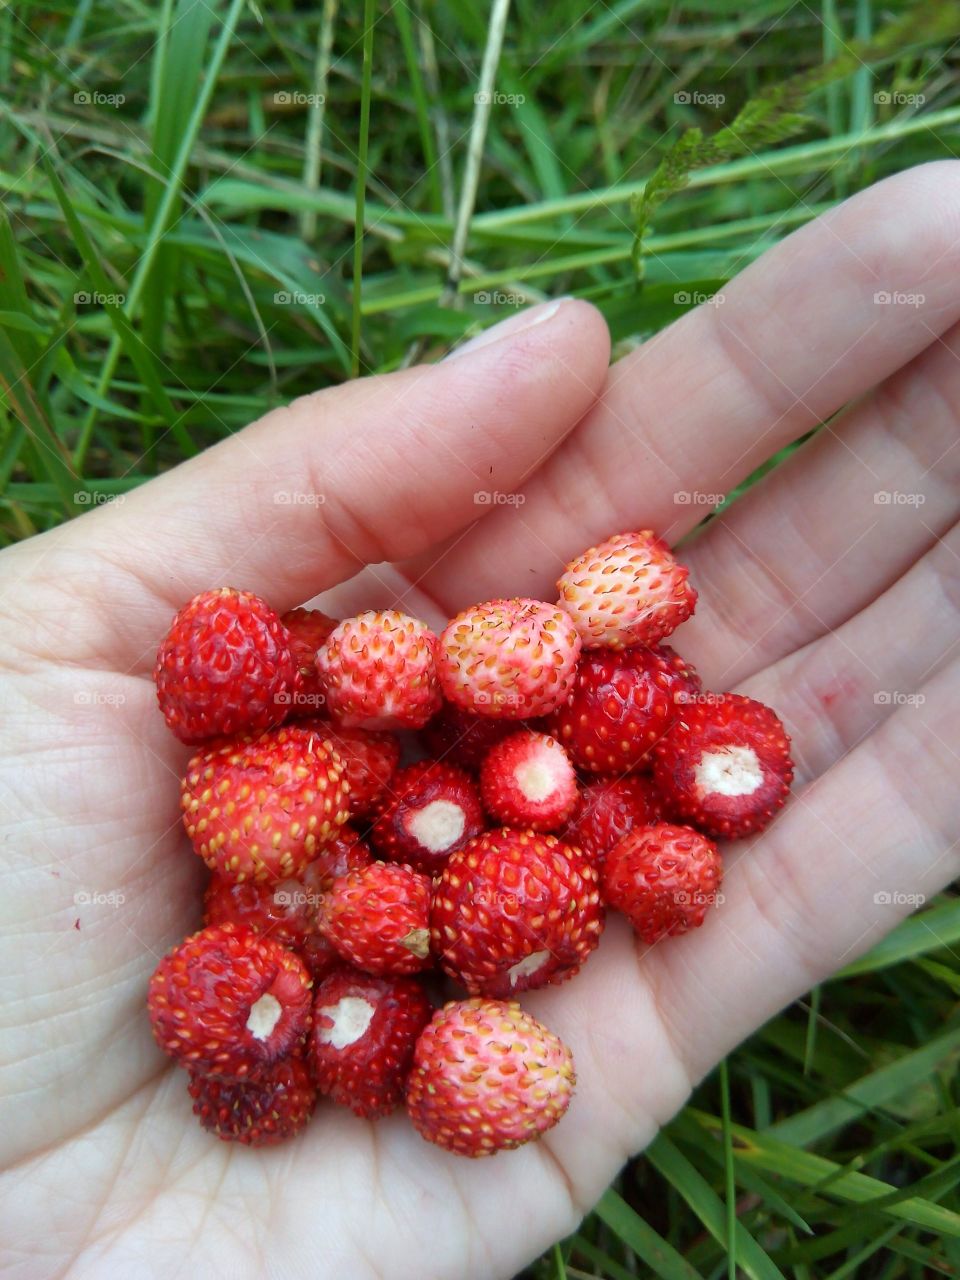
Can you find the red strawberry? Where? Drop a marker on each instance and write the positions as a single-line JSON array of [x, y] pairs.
[[261, 808], [364, 1032], [379, 672], [457, 737], [527, 780], [610, 807], [227, 1002], [513, 910], [430, 810], [308, 630], [662, 878], [510, 659], [369, 762], [378, 918], [725, 765], [225, 666], [487, 1077], [261, 1112], [621, 705], [286, 910], [628, 590]]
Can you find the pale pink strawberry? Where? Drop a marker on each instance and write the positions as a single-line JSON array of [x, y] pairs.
[[625, 591], [511, 659], [379, 671]]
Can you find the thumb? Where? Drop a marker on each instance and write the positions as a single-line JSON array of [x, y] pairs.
[[373, 470]]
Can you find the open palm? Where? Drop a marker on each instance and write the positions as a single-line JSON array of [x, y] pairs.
[[829, 591]]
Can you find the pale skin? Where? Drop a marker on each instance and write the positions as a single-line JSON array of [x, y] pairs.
[[815, 597]]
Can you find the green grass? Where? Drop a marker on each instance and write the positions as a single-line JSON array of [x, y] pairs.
[[175, 263]]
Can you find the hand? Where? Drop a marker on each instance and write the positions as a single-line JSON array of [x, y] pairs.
[[816, 596]]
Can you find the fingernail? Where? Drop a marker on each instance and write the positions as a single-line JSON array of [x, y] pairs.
[[509, 328]]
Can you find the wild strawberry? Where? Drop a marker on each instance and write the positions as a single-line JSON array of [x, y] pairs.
[[662, 878], [363, 1037], [308, 630], [608, 808], [379, 672], [430, 810], [509, 658], [628, 590], [286, 910], [260, 1112], [228, 1002], [513, 910], [369, 762], [225, 666], [527, 780], [487, 1077], [621, 705], [725, 765], [458, 737], [378, 918], [261, 808]]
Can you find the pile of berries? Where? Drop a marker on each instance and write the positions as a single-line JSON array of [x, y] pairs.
[[392, 816]]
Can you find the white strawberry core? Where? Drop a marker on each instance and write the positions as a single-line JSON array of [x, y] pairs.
[[437, 825], [541, 775], [529, 964], [263, 1017], [349, 1019], [732, 771]]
